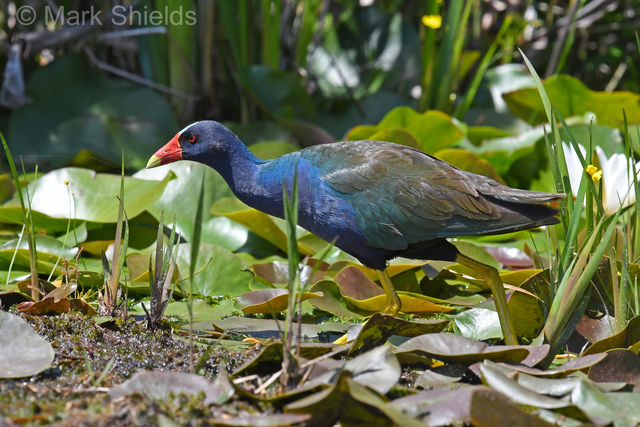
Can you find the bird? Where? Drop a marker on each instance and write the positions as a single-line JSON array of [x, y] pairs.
[[375, 200]]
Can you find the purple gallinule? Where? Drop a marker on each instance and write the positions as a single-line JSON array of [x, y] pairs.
[[376, 200]]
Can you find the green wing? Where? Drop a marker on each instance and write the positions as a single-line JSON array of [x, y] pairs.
[[403, 196]]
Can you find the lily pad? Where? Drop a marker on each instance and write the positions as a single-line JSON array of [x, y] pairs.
[[571, 97], [433, 130], [379, 327], [623, 339], [269, 301], [618, 366], [477, 405], [456, 349], [22, 351], [218, 271], [179, 198], [157, 385], [83, 194]]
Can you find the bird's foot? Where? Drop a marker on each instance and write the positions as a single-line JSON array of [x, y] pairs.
[[393, 308]]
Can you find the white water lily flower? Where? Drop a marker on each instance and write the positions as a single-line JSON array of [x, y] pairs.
[[616, 175]]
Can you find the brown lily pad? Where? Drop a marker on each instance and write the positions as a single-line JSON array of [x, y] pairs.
[[617, 366], [596, 329], [268, 301], [623, 339], [278, 272]]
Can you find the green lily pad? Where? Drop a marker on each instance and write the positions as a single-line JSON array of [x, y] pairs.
[[433, 130], [218, 271], [179, 198], [468, 161], [91, 196], [571, 97]]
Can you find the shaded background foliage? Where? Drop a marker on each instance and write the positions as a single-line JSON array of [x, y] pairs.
[[299, 71]]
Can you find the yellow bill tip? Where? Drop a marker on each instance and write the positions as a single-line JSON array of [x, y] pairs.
[[154, 161]]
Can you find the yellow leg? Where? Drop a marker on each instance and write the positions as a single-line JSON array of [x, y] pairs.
[[394, 304], [492, 279]]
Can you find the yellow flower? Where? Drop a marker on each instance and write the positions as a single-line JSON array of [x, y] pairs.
[[66, 182], [432, 21], [596, 175], [591, 170]]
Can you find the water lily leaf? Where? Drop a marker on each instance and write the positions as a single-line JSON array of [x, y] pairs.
[[478, 324], [220, 271], [178, 196], [431, 379], [578, 364], [378, 369], [41, 222], [263, 420], [623, 339], [74, 236], [604, 408], [432, 129], [456, 349], [511, 257], [100, 113], [350, 403], [91, 196], [411, 303], [557, 387], [478, 134], [9, 298], [272, 149], [379, 327], [270, 356], [157, 385], [618, 366], [269, 301], [468, 161], [46, 262], [596, 329], [477, 405], [45, 306], [44, 244], [355, 284], [527, 310], [22, 351], [278, 272], [258, 222], [516, 392], [332, 300], [397, 135], [571, 98], [270, 328]]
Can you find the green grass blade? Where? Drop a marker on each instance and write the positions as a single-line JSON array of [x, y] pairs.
[[26, 215], [462, 108]]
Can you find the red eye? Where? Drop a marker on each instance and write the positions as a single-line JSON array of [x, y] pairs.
[[192, 138]]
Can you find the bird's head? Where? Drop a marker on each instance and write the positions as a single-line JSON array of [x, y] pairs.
[[201, 141]]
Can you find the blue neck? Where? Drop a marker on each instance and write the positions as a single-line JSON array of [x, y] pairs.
[[249, 177]]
